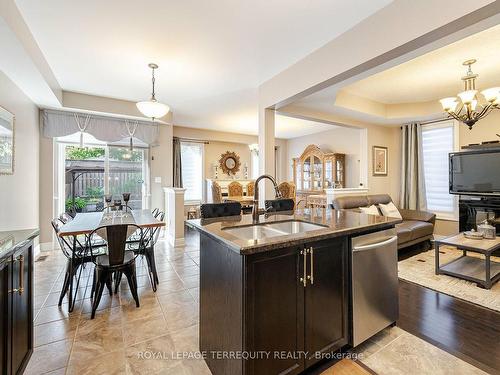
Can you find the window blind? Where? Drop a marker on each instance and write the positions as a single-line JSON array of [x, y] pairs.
[[192, 170], [437, 143]]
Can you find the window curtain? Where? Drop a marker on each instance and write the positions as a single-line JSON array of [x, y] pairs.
[[412, 168], [104, 128], [177, 163]]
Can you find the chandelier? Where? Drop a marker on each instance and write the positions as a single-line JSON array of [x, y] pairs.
[[470, 107], [153, 108]]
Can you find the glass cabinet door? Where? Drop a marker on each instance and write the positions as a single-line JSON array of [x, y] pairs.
[[317, 173], [307, 174], [339, 172], [328, 173]]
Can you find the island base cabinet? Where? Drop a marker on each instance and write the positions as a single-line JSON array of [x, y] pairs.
[[296, 306], [17, 310], [275, 312]]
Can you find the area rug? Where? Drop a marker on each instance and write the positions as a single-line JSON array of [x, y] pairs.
[[419, 269]]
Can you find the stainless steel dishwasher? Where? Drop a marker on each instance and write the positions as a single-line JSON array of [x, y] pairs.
[[375, 302]]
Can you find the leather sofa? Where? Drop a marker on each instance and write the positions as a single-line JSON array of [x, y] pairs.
[[417, 226]]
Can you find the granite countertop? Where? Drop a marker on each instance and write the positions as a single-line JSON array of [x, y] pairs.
[[336, 223], [11, 240]]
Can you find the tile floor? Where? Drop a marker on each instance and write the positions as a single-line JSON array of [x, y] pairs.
[[123, 339]]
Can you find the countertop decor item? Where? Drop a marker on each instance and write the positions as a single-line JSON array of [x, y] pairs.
[[6, 142], [230, 163], [473, 235], [470, 107], [153, 108], [487, 231]]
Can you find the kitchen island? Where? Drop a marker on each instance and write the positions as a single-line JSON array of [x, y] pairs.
[[275, 295]]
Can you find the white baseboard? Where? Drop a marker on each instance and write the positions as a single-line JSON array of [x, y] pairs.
[[175, 242]]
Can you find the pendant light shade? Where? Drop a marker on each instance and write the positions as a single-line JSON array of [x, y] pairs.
[[153, 108]]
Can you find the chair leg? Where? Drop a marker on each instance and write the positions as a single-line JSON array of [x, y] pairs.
[[153, 265], [102, 276], [132, 282], [109, 284], [94, 281], [118, 279], [64, 287], [150, 271]]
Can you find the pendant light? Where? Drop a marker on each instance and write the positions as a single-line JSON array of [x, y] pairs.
[[152, 108]]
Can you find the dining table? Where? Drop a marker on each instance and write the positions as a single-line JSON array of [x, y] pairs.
[[86, 222], [245, 200]]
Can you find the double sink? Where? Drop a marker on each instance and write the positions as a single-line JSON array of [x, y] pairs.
[[269, 230]]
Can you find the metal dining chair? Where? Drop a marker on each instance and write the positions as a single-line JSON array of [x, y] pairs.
[[77, 256], [116, 259]]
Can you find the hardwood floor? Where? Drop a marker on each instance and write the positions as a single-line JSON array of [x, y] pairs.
[[468, 331]]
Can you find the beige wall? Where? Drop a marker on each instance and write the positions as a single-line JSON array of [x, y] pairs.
[[220, 142], [342, 140], [19, 193], [484, 130], [47, 195]]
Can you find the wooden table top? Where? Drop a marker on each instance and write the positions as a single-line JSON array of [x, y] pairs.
[[84, 223], [461, 241], [247, 199]]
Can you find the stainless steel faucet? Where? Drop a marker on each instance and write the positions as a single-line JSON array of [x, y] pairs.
[[255, 209]]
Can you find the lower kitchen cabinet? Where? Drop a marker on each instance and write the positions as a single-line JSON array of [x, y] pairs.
[[16, 306], [297, 302]]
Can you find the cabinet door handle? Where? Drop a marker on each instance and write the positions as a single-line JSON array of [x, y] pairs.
[[303, 279], [21, 274], [311, 250]]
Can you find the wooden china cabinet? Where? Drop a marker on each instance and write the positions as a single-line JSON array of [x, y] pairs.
[[316, 170]]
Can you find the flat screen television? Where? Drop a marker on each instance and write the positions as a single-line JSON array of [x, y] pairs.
[[475, 172]]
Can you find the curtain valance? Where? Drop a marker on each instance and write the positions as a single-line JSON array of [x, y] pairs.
[[107, 129]]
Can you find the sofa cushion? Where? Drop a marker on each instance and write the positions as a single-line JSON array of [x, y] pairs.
[[416, 229], [389, 210], [379, 199], [350, 202], [404, 233], [372, 210]]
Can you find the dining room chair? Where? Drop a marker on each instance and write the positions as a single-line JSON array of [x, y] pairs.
[[116, 259], [150, 238], [287, 190], [251, 188], [65, 217], [77, 255], [155, 212], [212, 210], [276, 205], [216, 193], [235, 189]]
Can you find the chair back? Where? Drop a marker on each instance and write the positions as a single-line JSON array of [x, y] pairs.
[[235, 189], [216, 193], [287, 190], [155, 212], [251, 188], [211, 210], [65, 217], [276, 205], [116, 237], [64, 245]]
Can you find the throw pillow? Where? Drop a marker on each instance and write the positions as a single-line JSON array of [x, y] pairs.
[[372, 210], [390, 210]]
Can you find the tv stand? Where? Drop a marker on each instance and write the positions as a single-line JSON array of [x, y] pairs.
[[473, 210]]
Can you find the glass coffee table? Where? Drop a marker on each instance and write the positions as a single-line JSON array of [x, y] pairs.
[[484, 272]]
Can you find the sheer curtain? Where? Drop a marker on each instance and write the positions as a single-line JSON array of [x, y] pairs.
[[412, 168]]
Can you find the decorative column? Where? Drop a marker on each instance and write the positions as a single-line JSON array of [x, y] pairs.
[[174, 208]]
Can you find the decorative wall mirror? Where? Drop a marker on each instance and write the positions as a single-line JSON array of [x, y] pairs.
[[230, 162], [6, 142]]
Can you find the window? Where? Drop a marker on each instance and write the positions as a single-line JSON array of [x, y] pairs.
[[99, 169], [192, 170], [438, 140]]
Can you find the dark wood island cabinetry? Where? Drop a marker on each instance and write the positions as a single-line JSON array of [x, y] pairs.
[[16, 300], [275, 304]]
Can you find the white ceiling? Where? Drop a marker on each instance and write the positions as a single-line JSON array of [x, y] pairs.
[[212, 54], [289, 127], [424, 79], [436, 74]]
